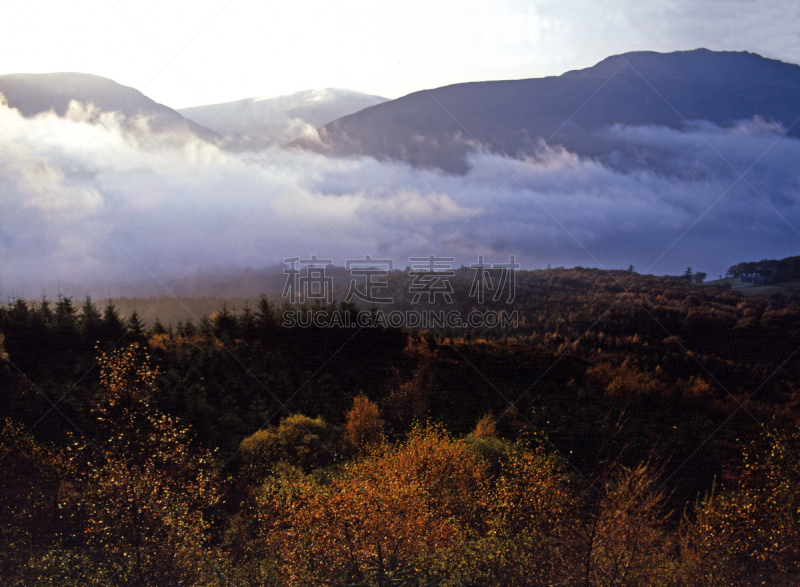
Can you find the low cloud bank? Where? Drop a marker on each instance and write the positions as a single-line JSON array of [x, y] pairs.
[[91, 207]]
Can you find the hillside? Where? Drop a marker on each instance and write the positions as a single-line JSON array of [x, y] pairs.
[[635, 405], [440, 127], [264, 122], [38, 93]]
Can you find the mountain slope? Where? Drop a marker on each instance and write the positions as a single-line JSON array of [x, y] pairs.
[[263, 122], [438, 128], [36, 93]]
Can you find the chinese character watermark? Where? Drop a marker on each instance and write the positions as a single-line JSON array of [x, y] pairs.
[[370, 269], [309, 282], [430, 278], [482, 280]]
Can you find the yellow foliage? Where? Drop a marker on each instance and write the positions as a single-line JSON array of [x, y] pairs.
[[486, 427], [364, 427]]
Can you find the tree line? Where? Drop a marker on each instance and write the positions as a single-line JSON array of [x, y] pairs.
[[632, 431]]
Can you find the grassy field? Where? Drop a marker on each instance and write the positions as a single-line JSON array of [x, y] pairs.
[[749, 289]]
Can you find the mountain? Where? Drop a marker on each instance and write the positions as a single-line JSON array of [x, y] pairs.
[[35, 93], [440, 127], [264, 122]]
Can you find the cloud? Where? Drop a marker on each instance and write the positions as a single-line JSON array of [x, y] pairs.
[[89, 207]]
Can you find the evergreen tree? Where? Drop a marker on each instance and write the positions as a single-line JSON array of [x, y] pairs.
[[266, 320], [113, 328], [247, 323], [91, 321], [206, 326], [66, 317], [225, 323], [19, 314], [158, 328], [189, 329], [44, 311], [136, 327]]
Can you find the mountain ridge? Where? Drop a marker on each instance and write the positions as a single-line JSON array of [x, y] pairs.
[[36, 93], [273, 121], [439, 128]]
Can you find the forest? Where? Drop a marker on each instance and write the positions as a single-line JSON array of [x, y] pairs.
[[631, 430], [775, 270]]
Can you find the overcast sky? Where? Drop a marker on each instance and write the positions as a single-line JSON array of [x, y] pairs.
[[206, 51]]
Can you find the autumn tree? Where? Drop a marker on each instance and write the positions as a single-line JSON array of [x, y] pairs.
[[486, 427], [427, 510], [143, 489], [518, 542], [618, 536], [748, 533], [393, 505], [31, 478], [299, 441], [410, 400], [364, 426]]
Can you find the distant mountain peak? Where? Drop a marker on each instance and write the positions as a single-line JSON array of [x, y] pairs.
[[257, 123], [439, 128], [37, 93], [697, 63]]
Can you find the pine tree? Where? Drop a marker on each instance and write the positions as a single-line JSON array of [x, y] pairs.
[[66, 317], [247, 323], [91, 321], [19, 314], [189, 329], [158, 328], [206, 326], [44, 311], [136, 327], [113, 328], [266, 320], [225, 323]]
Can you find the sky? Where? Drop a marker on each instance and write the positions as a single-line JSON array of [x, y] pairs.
[[208, 51]]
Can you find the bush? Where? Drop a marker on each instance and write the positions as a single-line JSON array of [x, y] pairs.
[[300, 441]]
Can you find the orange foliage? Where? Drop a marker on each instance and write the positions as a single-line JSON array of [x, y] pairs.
[[364, 425], [486, 427], [624, 381], [410, 400], [751, 530], [432, 494]]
